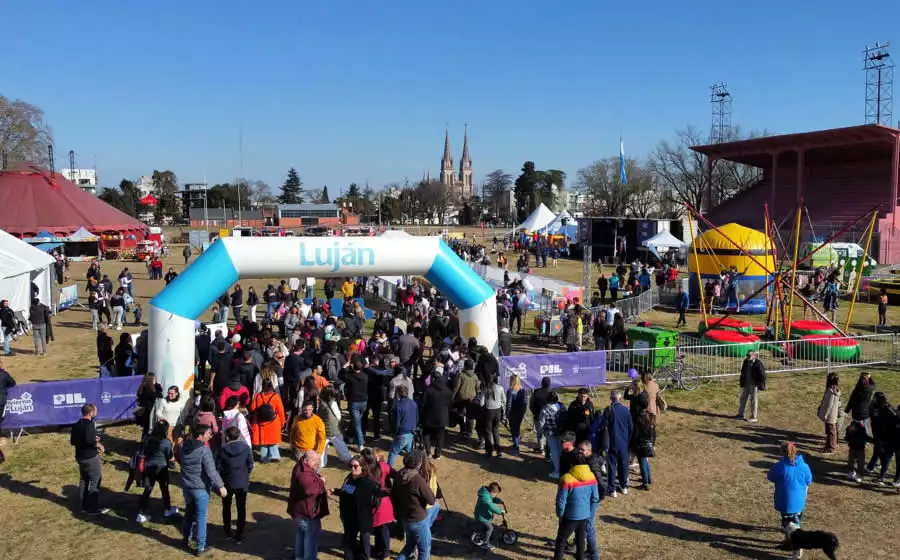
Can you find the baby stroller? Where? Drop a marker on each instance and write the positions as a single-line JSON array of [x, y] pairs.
[[505, 535]]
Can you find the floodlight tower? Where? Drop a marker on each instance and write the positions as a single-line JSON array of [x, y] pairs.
[[720, 99], [879, 69]]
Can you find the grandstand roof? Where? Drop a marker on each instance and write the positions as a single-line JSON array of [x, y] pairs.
[[849, 143]]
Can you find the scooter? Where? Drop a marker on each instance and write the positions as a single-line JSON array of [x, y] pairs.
[[505, 535]]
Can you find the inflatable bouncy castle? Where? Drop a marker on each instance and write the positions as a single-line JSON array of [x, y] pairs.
[[718, 250]]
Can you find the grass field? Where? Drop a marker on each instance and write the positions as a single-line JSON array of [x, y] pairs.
[[710, 498]]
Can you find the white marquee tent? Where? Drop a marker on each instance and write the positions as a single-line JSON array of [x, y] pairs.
[[538, 219], [20, 266], [662, 242]]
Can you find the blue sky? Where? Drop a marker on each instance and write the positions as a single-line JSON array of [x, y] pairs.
[[349, 91]]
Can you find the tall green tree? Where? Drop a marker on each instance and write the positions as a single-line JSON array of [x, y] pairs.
[[353, 191], [292, 189], [165, 186], [526, 189], [497, 184], [324, 199]]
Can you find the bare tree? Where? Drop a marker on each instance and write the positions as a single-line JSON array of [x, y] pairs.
[[682, 173], [497, 185], [644, 200], [605, 195], [24, 136]]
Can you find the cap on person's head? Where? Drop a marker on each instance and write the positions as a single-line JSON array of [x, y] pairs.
[[568, 436], [583, 391]]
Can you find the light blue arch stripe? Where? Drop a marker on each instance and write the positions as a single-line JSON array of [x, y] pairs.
[[456, 280], [195, 289]]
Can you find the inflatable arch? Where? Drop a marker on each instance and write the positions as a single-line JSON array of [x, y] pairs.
[[173, 311]]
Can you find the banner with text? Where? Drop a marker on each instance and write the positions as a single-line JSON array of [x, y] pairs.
[[571, 369], [58, 403], [68, 296]]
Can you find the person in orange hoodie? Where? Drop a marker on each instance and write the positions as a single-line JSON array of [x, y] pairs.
[[268, 421], [308, 431]]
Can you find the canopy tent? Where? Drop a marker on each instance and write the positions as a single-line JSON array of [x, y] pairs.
[[82, 245], [83, 236], [46, 241], [20, 266], [32, 199], [538, 219], [563, 224], [662, 242]]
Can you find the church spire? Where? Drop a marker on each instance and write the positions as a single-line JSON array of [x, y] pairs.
[[447, 160], [465, 168], [447, 178]]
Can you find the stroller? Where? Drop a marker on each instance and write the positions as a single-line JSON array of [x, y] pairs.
[[504, 534]]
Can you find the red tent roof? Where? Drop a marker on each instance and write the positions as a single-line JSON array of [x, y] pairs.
[[31, 200]]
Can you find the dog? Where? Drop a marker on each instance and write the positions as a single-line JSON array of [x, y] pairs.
[[811, 540]]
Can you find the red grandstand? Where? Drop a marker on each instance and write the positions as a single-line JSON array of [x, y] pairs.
[[840, 173]]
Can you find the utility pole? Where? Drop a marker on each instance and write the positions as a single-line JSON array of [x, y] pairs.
[[241, 178]]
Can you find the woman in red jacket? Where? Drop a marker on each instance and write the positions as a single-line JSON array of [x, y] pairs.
[[384, 511]]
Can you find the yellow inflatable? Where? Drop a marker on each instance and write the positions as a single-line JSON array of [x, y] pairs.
[[716, 253]]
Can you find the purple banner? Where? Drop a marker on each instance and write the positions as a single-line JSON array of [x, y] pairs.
[[569, 369], [58, 403]]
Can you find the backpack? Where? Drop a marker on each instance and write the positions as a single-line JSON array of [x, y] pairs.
[[265, 412], [331, 367]]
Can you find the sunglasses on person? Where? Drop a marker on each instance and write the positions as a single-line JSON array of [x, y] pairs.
[[355, 466]]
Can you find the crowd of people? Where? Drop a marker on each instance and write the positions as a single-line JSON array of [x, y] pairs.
[[296, 377]]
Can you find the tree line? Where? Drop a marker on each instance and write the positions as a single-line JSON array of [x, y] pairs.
[[670, 176]]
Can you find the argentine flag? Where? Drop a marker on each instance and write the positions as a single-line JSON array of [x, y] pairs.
[[623, 177]]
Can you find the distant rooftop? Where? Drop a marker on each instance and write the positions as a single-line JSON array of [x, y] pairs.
[[308, 206]]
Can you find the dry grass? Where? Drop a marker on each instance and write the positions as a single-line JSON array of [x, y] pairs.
[[710, 498]]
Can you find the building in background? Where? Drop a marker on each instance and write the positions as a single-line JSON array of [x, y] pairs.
[[145, 186], [193, 196], [461, 186], [84, 178], [301, 215]]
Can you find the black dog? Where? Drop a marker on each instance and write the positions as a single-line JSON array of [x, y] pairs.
[[811, 540]]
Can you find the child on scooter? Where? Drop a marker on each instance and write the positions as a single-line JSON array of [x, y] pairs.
[[485, 510]]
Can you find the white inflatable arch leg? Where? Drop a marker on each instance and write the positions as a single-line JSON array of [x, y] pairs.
[[174, 310]]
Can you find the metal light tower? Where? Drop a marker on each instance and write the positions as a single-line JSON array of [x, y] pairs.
[[720, 99], [879, 69]]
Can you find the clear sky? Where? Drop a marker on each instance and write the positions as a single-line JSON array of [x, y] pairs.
[[349, 91]]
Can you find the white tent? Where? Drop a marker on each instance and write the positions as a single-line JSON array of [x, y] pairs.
[[538, 219], [20, 266], [557, 223], [662, 242]]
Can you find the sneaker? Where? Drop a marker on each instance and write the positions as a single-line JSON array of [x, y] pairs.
[[612, 494], [238, 540], [202, 551], [141, 518], [170, 512], [487, 546], [739, 416], [644, 487], [880, 482], [752, 420], [101, 511], [499, 454], [896, 484], [858, 479], [554, 476], [851, 475], [624, 491]]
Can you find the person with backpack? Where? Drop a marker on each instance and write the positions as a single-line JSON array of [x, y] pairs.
[[330, 413], [234, 463], [268, 421], [158, 455], [551, 423]]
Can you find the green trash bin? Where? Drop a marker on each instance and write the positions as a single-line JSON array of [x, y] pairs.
[[652, 347]]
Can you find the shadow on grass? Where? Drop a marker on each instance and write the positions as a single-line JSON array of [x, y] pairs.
[[697, 412], [745, 547], [122, 508]]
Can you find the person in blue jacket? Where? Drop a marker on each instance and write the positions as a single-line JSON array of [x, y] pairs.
[[792, 477], [682, 306], [576, 504], [616, 422]]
